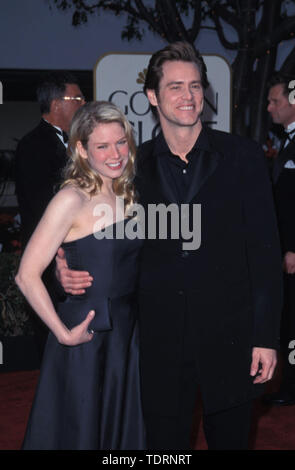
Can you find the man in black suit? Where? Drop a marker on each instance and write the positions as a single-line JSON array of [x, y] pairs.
[[41, 157], [282, 112], [208, 316]]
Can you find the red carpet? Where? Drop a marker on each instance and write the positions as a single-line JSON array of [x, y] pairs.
[[273, 428]]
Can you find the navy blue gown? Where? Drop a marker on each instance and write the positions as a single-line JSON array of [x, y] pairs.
[[88, 396]]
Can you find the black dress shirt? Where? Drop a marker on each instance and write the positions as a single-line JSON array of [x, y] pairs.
[[179, 173]]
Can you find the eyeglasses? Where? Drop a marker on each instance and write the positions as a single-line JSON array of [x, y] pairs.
[[73, 98]]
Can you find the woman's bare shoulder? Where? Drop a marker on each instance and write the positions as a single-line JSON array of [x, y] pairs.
[[71, 196]]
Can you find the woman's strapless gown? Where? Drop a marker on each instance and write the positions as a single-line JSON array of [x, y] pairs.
[[88, 396]]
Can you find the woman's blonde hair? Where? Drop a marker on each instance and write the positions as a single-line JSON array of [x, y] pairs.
[[78, 172]]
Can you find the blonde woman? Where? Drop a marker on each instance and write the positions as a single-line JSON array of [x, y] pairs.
[[88, 395]]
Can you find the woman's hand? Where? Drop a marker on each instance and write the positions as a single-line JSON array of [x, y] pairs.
[[79, 334]]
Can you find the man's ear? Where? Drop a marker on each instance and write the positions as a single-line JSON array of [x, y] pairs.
[[152, 97], [54, 107]]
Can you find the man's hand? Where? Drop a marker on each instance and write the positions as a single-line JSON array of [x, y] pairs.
[[289, 262], [73, 282], [264, 361]]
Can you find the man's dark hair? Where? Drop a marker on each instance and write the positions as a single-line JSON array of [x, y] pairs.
[[53, 87], [281, 79], [176, 51]]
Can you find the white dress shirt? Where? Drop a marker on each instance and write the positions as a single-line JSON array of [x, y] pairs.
[[291, 131]]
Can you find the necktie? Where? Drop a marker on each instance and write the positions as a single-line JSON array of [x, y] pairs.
[[289, 136], [63, 134]]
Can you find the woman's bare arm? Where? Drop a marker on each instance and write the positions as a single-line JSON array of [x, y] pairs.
[[52, 230]]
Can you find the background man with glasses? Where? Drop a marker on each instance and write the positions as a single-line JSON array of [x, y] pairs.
[[40, 159]]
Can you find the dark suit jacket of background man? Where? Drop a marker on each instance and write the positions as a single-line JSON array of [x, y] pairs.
[[284, 191], [230, 287], [40, 158], [284, 181]]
